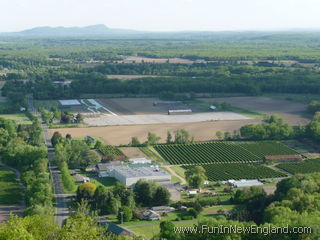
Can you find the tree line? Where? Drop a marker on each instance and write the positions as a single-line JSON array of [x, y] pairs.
[[22, 147]]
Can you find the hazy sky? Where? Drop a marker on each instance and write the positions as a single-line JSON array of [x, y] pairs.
[[162, 15]]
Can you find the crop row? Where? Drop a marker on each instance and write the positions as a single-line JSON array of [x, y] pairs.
[[221, 152], [265, 148], [205, 153], [236, 171], [308, 166], [107, 150]]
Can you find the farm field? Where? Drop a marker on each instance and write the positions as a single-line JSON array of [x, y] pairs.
[[292, 112], [133, 152], [205, 153], [265, 148], [163, 118], [19, 118], [140, 106], [108, 149], [236, 171], [220, 152], [308, 166], [116, 135]]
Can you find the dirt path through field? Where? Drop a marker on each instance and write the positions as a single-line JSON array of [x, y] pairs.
[[183, 181]]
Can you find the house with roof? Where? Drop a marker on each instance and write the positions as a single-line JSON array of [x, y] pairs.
[[150, 215], [163, 209]]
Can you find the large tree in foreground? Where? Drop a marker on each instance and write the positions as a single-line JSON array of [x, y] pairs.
[[195, 176]]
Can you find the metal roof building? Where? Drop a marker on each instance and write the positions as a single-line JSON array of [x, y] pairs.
[[139, 160], [73, 102], [130, 175], [245, 183]]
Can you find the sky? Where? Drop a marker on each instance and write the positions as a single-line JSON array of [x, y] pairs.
[[162, 15]]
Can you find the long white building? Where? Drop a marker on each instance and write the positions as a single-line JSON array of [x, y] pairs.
[[130, 175]]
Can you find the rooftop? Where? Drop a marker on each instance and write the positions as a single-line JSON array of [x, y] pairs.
[[130, 172], [73, 102], [245, 183]]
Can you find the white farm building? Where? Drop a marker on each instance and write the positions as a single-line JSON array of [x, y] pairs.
[[139, 161], [130, 175], [245, 183]]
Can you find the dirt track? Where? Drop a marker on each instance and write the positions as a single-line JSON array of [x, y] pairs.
[[117, 135]]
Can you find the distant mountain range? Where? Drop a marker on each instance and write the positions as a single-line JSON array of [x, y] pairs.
[[93, 30], [100, 30]]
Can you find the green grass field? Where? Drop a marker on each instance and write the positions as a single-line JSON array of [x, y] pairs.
[[151, 153], [10, 190], [152, 229], [105, 181], [19, 118], [179, 170], [149, 229]]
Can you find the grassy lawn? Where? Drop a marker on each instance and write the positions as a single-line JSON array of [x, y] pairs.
[[213, 211], [152, 153], [149, 229], [178, 170], [152, 229], [89, 174], [175, 179], [20, 118], [10, 190], [105, 181]]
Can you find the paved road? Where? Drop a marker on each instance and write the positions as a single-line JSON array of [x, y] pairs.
[[61, 199]]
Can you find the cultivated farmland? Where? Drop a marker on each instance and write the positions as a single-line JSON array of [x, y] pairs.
[[309, 166], [205, 153], [265, 148], [221, 172], [108, 149], [292, 112], [116, 135], [220, 152]]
